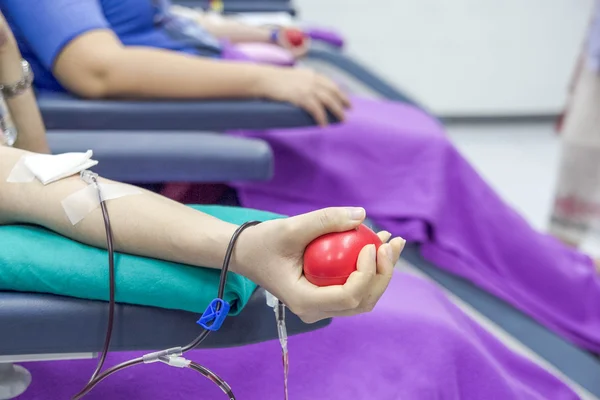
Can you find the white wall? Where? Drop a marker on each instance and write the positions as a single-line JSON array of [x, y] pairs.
[[465, 56]]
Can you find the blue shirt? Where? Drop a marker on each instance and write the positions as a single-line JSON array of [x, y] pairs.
[[44, 27]]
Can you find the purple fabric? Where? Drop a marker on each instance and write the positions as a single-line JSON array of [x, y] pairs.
[[327, 36], [398, 163], [262, 53], [415, 345]]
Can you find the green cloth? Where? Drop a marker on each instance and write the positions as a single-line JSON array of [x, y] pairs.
[[33, 259]]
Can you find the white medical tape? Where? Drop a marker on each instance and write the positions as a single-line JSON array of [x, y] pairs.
[[20, 173], [271, 299], [49, 168], [79, 204]]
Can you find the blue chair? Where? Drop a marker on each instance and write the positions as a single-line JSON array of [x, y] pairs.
[[145, 142]]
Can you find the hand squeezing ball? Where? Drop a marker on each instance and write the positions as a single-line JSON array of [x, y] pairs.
[[294, 37], [331, 259]]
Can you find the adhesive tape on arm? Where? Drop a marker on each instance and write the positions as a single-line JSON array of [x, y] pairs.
[[78, 205], [20, 173]]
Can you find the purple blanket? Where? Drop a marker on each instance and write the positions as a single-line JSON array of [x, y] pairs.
[[415, 345], [398, 163]]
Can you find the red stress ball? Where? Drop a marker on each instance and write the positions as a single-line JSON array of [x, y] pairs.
[[330, 259], [294, 37]]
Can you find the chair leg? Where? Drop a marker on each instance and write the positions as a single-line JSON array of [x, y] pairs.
[[14, 381]]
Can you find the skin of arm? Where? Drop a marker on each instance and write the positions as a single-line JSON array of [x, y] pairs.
[[226, 28], [23, 108], [239, 32], [152, 226], [145, 224], [97, 65], [235, 31]]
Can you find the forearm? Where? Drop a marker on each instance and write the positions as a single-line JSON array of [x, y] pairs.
[[146, 72], [147, 224], [223, 27], [28, 122], [234, 31], [22, 108]]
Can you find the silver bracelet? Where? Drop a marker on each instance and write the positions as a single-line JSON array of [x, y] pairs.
[[15, 89]]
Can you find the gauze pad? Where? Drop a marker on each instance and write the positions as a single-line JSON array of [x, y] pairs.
[[49, 168]]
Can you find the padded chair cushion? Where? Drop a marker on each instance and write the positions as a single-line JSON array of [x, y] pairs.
[[34, 259], [147, 157], [62, 111], [78, 326]]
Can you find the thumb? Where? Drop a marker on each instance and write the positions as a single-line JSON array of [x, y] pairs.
[[308, 227]]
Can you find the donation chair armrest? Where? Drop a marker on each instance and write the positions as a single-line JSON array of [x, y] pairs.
[[65, 112], [34, 323], [146, 157]]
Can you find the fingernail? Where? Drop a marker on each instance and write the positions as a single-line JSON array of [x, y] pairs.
[[356, 213], [387, 234], [389, 252], [403, 243]]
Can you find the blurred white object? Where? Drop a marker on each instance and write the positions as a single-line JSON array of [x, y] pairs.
[[260, 19]]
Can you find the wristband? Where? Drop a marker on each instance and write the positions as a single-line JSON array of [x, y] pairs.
[[274, 37], [17, 88]]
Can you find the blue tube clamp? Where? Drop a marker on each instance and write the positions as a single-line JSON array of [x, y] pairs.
[[215, 315]]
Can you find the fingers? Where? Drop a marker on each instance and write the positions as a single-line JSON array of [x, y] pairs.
[[359, 282], [332, 104], [316, 109], [335, 90], [384, 266], [364, 288], [397, 245], [332, 96], [384, 236], [386, 260], [307, 227], [348, 297], [301, 51], [326, 96]]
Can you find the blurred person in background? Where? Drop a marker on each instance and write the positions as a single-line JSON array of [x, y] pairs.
[[576, 214]]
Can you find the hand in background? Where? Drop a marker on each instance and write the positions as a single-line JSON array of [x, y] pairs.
[[307, 89]]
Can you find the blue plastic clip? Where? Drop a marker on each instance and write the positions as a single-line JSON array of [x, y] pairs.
[[213, 317]]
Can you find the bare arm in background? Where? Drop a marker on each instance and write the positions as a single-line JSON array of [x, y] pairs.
[[22, 108], [225, 28], [239, 32], [97, 65]]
